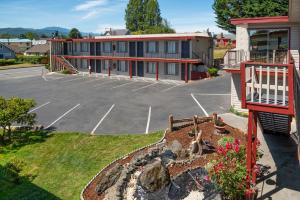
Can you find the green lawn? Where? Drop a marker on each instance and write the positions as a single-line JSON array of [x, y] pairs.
[[219, 53], [65, 162]]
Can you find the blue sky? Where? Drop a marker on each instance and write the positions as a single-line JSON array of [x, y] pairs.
[[96, 15]]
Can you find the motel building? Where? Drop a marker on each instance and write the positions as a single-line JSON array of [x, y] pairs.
[[159, 56], [265, 78]]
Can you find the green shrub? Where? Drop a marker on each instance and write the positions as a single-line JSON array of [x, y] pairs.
[[224, 140], [66, 72], [241, 114], [33, 59], [4, 62], [213, 72]]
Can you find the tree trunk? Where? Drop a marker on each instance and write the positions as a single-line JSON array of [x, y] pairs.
[[2, 136], [9, 133]]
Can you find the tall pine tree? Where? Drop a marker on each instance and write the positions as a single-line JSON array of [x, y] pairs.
[[143, 16], [152, 14], [228, 9], [134, 15]]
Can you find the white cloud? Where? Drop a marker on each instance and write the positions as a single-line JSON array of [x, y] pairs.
[[95, 8], [90, 4]]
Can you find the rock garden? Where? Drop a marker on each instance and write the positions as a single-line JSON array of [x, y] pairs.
[[190, 162]]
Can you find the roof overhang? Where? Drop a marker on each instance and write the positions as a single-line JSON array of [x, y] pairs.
[[260, 20]]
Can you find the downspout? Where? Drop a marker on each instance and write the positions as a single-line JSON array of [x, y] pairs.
[[50, 56]]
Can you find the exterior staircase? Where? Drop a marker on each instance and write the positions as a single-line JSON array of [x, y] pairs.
[[274, 123], [66, 64]]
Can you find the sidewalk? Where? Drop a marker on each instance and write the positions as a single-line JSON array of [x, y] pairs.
[[283, 180]]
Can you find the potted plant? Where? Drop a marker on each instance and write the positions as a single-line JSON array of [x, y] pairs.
[[219, 125]]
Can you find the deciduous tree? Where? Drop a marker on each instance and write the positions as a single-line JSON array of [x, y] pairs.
[[74, 33]]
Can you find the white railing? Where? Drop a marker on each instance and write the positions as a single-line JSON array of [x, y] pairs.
[[68, 62], [267, 84], [233, 58]]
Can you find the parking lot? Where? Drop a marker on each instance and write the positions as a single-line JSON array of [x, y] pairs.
[[113, 105]]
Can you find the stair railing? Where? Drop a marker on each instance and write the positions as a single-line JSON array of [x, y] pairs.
[[297, 106], [65, 60]]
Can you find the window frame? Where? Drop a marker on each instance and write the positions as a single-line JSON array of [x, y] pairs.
[[124, 49], [151, 70], [122, 68], [153, 49], [175, 47], [168, 71], [104, 47]]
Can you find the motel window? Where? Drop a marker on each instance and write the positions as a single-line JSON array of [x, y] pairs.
[[171, 69], [122, 66], [107, 47], [151, 68], [152, 47], [172, 47], [122, 47], [269, 45], [84, 47], [106, 64]]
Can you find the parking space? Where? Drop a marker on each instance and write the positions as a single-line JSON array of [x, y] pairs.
[[114, 105]]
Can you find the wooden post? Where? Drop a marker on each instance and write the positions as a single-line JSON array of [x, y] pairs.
[[109, 70], [215, 117], [171, 119], [249, 147], [195, 123]]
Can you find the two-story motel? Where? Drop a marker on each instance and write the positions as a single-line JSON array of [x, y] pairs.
[[160, 56]]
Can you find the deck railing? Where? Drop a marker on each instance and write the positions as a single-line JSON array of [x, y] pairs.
[[268, 87]]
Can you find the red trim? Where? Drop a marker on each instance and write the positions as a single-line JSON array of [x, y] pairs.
[[130, 69], [186, 72], [264, 108], [157, 71], [141, 38], [233, 70], [254, 142], [260, 20], [168, 60], [291, 88], [249, 147]]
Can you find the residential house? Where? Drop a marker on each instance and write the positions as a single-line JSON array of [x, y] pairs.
[[38, 50], [6, 52], [114, 32], [161, 56], [18, 45], [225, 40]]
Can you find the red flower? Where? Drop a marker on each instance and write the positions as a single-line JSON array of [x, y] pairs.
[[228, 146], [236, 148], [236, 141], [207, 178], [221, 150]]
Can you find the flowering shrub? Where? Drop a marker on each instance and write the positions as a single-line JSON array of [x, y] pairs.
[[229, 171]]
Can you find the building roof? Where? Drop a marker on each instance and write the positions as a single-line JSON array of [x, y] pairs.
[[14, 40], [226, 36], [116, 32], [260, 20], [40, 48], [7, 46]]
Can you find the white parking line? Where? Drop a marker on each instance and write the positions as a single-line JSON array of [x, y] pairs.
[[45, 79], [170, 88], [207, 115], [123, 85], [62, 116], [148, 121], [144, 87], [101, 84], [39, 107], [101, 120], [74, 79]]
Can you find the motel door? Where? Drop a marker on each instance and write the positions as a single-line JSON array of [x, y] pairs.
[[65, 48], [140, 69], [98, 66], [132, 50], [140, 49], [133, 68], [185, 49], [183, 72]]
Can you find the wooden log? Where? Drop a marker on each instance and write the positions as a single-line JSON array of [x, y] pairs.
[[171, 122], [176, 121]]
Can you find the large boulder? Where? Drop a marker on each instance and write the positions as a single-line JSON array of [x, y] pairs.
[[110, 178], [155, 176]]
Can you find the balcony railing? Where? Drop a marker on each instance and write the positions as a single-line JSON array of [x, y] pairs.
[[268, 85], [233, 58]]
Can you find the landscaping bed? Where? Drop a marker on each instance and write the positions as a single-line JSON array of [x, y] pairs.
[[171, 158]]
